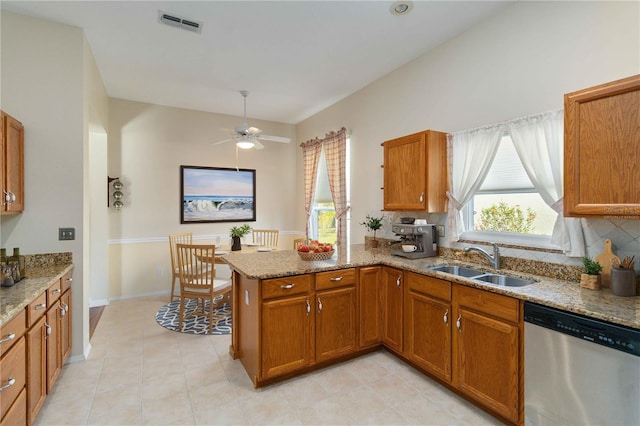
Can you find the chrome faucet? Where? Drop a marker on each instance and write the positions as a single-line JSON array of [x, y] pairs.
[[495, 259]]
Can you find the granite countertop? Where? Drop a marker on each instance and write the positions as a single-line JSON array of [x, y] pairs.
[[565, 295], [16, 298]]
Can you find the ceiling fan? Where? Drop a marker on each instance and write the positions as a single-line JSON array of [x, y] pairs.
[[247, 137]]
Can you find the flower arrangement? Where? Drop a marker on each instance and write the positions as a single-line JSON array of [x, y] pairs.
[[239, 231], [591, 277]]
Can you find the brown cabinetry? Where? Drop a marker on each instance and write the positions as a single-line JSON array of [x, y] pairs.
[[487, 343], [427, 324], [392, 302], [370, 306], [602, 150], [287, 325], [335, 314], [12, 153], [12, 374], [36, 368], [415, 172]]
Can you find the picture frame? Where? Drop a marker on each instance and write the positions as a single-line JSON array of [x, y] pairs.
[[217, 194]]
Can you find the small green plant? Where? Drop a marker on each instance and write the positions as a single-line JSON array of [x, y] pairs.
[[373, 223], [240, 231], [591, 267]]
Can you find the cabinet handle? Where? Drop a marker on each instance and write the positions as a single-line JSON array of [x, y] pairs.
[[66, 307], [422, 198], [336, 279], [287, 287], [446, 317], [48, 327], [69, 280], [56, 291], [7, 197], [459, 322], [9, 338], [13, 197], [398, 280], [40, 306], [308, 308], [10, 383], [319, 305], [63, 312]]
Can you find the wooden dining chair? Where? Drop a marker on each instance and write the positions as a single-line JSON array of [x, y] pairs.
[[297, 242], [174, 239], [266, 237], [198, 281]]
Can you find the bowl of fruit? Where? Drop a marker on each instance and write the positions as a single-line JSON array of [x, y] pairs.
[[315, 250]]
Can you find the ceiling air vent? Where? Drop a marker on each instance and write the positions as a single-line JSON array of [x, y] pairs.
[[179, 22]]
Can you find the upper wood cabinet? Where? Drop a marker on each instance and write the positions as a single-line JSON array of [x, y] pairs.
[[12, 152], [602, 150], [415, 172]]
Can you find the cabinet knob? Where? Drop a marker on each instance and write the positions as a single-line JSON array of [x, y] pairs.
[[9, 338], [10, 383]]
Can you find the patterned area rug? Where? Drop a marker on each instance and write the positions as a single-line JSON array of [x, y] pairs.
[[167, 317]]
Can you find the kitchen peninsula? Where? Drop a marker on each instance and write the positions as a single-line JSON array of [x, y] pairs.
[[292, 316]]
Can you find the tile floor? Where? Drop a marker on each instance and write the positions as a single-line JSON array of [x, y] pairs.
[[141, 373]]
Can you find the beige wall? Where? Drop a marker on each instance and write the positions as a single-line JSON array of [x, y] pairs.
[[45, 74], [517, 63], [147, 146]]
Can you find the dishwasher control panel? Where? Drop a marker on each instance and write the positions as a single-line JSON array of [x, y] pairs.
[[597, 331]]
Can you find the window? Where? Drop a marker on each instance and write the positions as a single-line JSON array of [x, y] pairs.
[[507, 207], [323, 225]]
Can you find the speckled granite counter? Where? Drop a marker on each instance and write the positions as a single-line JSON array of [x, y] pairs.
[[566, 295], [40, 276]]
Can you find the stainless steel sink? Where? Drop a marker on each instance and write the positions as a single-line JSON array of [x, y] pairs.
[[503, 280], [458, 270]]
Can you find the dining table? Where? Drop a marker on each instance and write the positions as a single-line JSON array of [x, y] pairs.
[[246, 249]]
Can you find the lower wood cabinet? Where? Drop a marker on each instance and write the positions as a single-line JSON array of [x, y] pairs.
[[12, 376], [392, 302], [487, 346], [427, 324], [36, 368], [370, 310]]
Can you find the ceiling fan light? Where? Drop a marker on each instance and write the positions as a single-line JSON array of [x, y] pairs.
[[245, 143]]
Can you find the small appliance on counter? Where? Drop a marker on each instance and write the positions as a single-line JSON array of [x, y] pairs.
[[423, 236]]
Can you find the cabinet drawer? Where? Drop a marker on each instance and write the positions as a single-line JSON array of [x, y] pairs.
[[17, 414], [12, 375], [429, 286], [12, 331], [333, 279], [287, 286], [54, 292], [493, 304], [65, 281], [36, 309]]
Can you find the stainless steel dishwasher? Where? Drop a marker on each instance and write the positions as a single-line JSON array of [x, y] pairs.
[[579, 370]]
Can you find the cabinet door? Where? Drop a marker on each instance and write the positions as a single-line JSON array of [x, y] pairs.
[[404, 173], [52, 326], [65, 326], [392, 308], [14, 164], [602, 150], [287, 335], [427, 333], [335, 323], [36, 368], [487, 361], [370, 306]]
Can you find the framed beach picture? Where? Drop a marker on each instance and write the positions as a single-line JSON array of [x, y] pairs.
[[215, 194]]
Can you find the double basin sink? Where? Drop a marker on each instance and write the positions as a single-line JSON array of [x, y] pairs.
[[477, 275]]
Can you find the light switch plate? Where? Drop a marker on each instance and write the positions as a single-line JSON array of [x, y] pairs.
[[66, 234], [441, 231]]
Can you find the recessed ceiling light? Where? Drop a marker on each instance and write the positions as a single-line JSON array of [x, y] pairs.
[[401, 7]]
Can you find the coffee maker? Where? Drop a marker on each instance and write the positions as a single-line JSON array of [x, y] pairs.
[[424, 237]]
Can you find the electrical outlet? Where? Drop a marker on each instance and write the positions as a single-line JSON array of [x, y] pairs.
[[441, 231], [159, 272], [66, 234]]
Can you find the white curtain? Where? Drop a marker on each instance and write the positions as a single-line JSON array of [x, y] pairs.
[[539, 140], [470, 154]]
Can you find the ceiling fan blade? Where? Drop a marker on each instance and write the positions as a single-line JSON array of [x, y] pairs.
[[226, 140], [253, 130], [274, 138], [258, 145]]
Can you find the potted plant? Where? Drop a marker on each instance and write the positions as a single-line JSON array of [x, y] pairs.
[[373, 223], [591, 277], [236, 233]]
